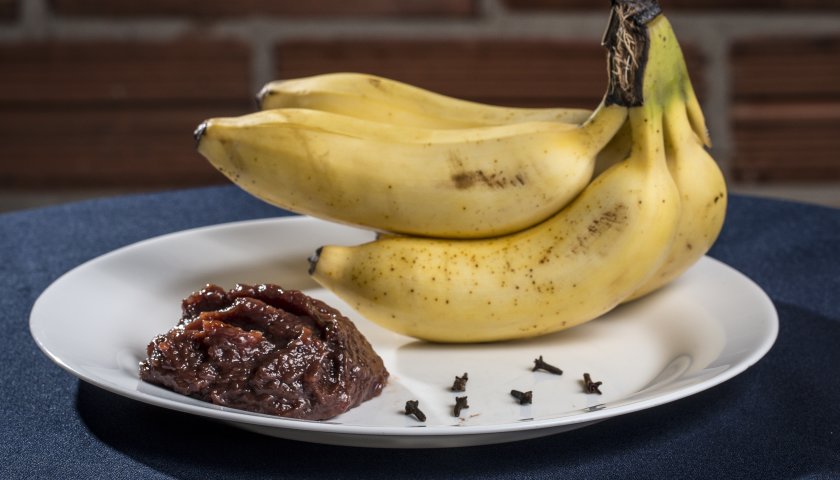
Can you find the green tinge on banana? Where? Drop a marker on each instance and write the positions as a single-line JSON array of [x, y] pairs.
[[577, 265], [389, 101], [453, 183]]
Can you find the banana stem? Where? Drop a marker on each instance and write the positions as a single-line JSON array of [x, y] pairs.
[[627, 41]]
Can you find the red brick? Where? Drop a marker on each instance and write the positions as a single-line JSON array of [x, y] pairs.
[[794, 68], [105, 147], [90, 114], [8, 10], [669, 5], [180, 70], [786, 109], [777, 142], [516, 73], [214, 8]]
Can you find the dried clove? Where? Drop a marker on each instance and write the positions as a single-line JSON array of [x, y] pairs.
[[540, 364], [460, 404], [460, 383], [590, 386], [412, 408], [524, 398]]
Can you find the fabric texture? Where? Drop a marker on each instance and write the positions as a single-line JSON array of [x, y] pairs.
[[779, 419]]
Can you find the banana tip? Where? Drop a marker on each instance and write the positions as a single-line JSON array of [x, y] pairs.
[[259, 98], [199, 132], [313, 260]]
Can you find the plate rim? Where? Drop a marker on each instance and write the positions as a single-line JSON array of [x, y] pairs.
[[236, 416]]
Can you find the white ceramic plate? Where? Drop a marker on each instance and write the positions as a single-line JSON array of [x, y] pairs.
[[710, 325]]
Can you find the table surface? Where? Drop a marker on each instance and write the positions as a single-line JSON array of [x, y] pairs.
[[779, 419]]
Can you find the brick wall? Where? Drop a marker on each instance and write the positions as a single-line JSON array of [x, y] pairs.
[[97, 93]]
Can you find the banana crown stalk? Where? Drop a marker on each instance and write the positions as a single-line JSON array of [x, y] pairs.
[[703, 192], [581, 262]]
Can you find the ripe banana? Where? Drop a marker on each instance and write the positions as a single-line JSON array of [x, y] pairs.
[[572, 268], [702, 196], [392, 102], [379, 99], [454, 183], [697, 176]]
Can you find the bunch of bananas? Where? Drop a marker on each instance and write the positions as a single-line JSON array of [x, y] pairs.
[[492, 226]]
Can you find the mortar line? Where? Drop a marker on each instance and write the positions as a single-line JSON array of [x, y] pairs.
[[34, 18], [262, 62], [717, 105], [492, 9]]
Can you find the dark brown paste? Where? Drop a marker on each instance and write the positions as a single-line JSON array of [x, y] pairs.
[[268, 350]]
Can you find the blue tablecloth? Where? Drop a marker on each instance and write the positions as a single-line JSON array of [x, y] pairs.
[[779, 419]]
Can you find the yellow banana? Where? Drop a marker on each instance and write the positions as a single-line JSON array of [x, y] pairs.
[[702, 196], [383, 100], [454, 183], [379, 99], [697, 176], [572, 268]]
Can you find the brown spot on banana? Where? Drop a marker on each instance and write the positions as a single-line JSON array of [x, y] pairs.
[[613, 217], [496, 180]]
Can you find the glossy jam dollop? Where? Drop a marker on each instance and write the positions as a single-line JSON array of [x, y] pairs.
[[268, 350]]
